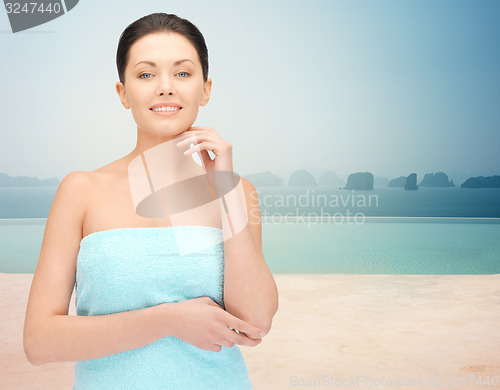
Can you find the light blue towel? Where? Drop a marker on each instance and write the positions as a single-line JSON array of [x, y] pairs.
[[133, 268]]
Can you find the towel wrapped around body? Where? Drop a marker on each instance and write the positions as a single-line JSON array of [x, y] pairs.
[[133, 268]]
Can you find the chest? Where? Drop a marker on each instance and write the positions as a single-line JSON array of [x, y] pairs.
[[111, 206]]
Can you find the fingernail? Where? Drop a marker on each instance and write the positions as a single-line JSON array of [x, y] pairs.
[[261, 334]]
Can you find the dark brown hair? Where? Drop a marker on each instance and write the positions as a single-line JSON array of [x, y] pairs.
[[160, 22]]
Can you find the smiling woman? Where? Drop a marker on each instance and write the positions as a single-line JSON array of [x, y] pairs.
[[156, 77], [148, 315]]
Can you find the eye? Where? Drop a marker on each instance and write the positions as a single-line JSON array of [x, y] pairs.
[[186, 73], [145, 74]]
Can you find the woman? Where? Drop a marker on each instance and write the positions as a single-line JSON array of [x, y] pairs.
[[148, 317]]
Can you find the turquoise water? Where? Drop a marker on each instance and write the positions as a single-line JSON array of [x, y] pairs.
[[381, 201], [20, 243], [440, 246], [34, 202]]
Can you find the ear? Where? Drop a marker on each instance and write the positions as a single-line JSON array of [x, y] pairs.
[[207, 88], [120, 89]]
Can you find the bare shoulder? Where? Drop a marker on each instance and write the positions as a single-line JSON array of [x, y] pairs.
[[72, 193], [84, 184], [77, 181], [72, 190]]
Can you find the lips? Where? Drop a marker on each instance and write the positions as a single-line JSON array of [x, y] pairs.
[[165, 105], [165, 109]]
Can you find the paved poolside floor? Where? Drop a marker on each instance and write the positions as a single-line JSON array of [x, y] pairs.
[[333, 331]]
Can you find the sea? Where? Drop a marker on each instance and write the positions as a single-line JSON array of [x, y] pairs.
[[324, 230]]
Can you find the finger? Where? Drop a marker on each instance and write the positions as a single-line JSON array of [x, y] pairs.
[[182, 136], [205, 130], [211, 129], [187, 141], [196, 139], [206, 157], [203, 146], [241, 338], [205, 153], [215, 348], [244, 327], [211, 302], [203, 135], [226, 343]]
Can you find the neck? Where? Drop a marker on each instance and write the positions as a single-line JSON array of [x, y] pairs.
[[169, 161], [147, 141]]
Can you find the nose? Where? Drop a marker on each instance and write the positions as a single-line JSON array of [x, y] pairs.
[[169, 92], [165, 87]]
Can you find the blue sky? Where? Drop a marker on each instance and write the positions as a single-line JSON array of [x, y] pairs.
[[390, 87]]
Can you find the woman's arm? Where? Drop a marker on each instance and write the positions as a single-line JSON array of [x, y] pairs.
[[250, 292], [74, 338], [51, 335]]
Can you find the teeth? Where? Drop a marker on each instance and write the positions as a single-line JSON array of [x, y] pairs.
[[166, 109]]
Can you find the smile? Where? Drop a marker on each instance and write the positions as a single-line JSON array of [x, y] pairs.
[[165, 109]]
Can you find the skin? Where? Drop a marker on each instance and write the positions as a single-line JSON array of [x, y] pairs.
[[146, 85], [92, 201]]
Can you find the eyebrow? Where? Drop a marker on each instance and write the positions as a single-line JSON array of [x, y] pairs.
[[175, 63]]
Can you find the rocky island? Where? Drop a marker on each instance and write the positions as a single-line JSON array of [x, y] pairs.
[[359, 181], [302, 178], [438, 179], [265, 179], [482, 182], [411, 182], [25, 181], [397, 182]]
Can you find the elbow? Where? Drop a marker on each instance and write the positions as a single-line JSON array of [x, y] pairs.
[[268, 321], [31, 348], [267, 327], [262, 323], [265, 322], [30, 353]]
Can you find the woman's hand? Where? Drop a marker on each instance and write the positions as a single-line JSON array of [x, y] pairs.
[[206, 138], [203, 323]]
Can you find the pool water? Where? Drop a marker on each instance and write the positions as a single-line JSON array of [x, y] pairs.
[[439, 246]]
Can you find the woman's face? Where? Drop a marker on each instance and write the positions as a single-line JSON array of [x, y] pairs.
[[163, 68]]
